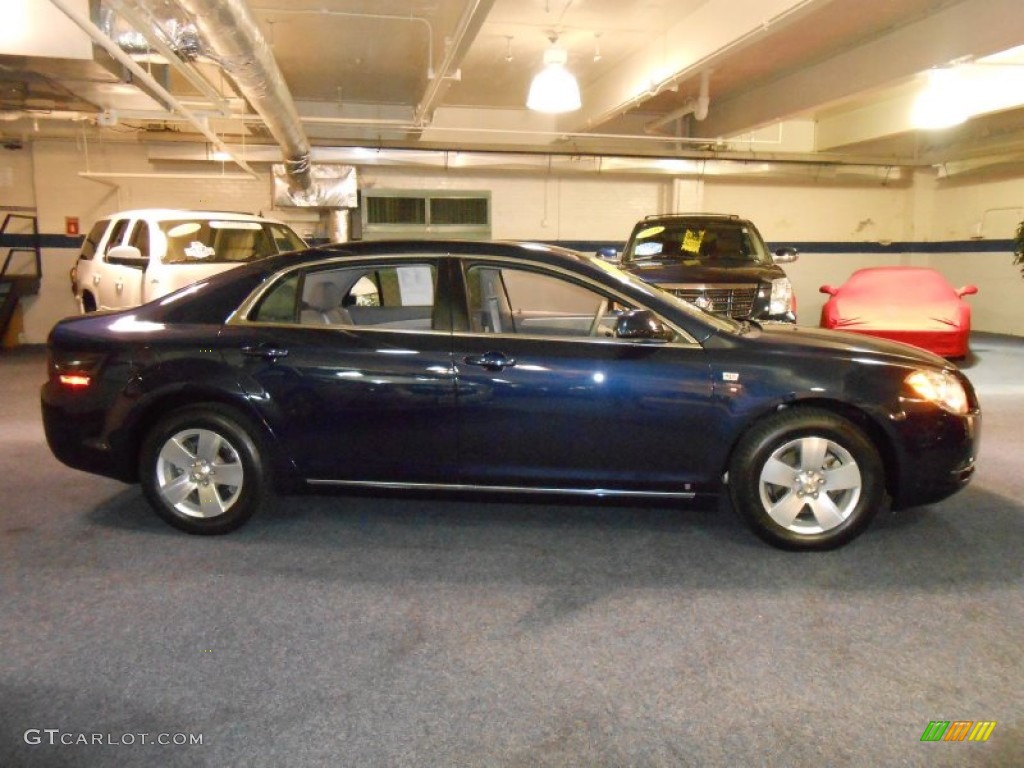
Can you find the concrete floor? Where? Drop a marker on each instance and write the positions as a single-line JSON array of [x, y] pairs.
[[397, 631]]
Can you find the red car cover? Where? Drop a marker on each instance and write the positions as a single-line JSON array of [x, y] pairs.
[[914, 305]]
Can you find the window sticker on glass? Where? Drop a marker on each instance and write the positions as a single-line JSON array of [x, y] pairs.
[[648, 249], [649, 232], [416, 285], [692, 240], [197, 250]]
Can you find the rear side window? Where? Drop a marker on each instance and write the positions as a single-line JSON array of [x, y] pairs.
[[92, 240], [279, 304], [385, 297]]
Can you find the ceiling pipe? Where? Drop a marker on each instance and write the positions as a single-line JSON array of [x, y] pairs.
[[170, 102], [473, 17], [234, 39], [697, 107], [173, 39]]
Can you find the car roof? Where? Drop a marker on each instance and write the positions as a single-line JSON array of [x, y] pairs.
[[710, 216], [160, 214]]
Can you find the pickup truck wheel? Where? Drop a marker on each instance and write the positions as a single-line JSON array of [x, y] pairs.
[[203, 471], [88, 303], [806, 479]]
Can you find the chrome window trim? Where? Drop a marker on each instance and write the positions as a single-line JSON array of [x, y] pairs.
[[239, 316], [465, 487], [688, 340]]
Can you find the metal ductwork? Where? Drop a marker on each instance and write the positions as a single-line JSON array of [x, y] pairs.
[[232, 38]]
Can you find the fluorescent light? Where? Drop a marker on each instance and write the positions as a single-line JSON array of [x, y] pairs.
[[944, 102], [554, 89]]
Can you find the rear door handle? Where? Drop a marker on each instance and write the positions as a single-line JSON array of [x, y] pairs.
[[490, 361], [265, 351]]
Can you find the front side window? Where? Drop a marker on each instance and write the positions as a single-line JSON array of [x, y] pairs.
[[140, 238], [510, 300], [117, 233]]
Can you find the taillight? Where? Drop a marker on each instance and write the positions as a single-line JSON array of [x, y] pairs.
[[75, 380], [74, 372]]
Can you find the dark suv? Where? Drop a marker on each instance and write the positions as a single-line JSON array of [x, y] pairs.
[[716, 261]]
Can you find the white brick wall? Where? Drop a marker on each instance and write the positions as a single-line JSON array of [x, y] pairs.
[[560, 207]]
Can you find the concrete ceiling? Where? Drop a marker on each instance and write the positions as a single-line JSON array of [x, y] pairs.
[[802, 80]]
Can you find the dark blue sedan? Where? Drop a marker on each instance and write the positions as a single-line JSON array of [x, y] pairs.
[[500, 367]]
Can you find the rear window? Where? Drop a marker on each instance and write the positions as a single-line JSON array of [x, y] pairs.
[[191, 241]]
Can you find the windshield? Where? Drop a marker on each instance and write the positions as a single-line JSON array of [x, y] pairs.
[[697, 242], [217, 242], [720, 322]]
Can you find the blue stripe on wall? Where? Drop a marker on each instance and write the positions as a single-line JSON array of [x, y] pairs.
[[945, 246], [45, 241]]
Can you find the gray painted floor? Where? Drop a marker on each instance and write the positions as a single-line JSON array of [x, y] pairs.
[[391, 631]]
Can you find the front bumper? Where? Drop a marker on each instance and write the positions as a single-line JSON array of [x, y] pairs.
[[939, 455]]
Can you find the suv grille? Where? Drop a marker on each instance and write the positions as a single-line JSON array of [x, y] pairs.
[[733, 300]]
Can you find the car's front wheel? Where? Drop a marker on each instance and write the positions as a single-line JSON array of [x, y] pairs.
[[202, 470], [805, 478]]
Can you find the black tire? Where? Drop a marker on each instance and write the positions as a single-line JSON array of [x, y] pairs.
[[203, 471], [830, 480], [88, 303]]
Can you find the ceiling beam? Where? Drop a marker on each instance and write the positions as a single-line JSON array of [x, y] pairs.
[[680, 51], [971, 28]]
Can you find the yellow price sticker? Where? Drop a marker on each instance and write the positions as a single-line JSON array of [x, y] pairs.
[[692, 240]]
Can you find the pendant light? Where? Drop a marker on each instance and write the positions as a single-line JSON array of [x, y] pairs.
[[554, 89]]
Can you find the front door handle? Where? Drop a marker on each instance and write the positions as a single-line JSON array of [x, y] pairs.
[[490, 361], [265, 351]]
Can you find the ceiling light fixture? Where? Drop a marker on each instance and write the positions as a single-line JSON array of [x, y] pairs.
[[944, 102], [554, 89]]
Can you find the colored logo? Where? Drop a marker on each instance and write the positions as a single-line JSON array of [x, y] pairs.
[[958, 730]]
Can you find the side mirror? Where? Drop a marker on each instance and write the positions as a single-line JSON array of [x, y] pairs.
[[785, 255], [829, 289], [128, 255], [641, 324], [607, 254], [967, 290]]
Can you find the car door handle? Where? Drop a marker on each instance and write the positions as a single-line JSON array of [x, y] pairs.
[[490, 361], [266, 351]]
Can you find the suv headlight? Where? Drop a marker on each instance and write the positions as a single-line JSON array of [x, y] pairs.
[[781, 300], [939, 387]]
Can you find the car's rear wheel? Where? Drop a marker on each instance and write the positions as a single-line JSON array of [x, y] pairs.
[[805, 478], [203, 471]]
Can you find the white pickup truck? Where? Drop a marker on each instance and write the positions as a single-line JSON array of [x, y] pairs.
[[133, 257]]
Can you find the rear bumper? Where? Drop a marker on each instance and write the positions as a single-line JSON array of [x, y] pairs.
[[74, 435]]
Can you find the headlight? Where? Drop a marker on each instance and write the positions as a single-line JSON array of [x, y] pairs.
[[781, 300], [939, 387]]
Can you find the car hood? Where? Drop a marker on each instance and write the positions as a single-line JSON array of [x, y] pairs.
[[658, 272], [792, 340]]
